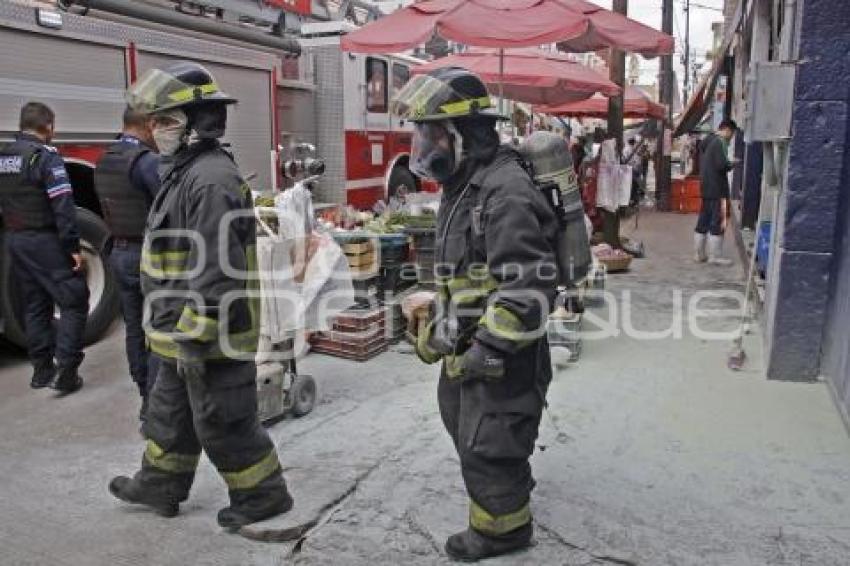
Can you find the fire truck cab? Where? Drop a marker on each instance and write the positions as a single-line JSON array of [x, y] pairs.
[[366, 151]]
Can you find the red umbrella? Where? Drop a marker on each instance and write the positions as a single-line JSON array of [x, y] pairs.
[[533, 76], [578, 25], [610, 29], [637, 104]]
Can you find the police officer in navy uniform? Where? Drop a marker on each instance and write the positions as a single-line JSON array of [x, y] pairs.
[[127, 180], [44, 248]]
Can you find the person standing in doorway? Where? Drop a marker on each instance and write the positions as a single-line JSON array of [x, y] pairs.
[[43, 241], [714, 168], [126, 181]]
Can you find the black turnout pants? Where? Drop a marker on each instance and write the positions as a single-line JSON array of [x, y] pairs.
[[219, 414], [494, 425]]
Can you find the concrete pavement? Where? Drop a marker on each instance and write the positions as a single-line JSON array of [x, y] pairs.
[[652, 453]]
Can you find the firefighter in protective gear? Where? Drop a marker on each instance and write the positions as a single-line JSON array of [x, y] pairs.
[[127, 181], [496, 278], [199, 278], [44, 249]]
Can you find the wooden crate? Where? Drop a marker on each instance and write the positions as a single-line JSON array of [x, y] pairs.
[[360, 346], [356, 320], [357, 248], [361, 260]]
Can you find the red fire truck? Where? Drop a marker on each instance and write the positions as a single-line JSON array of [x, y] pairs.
[[366, 151], [80, 62]]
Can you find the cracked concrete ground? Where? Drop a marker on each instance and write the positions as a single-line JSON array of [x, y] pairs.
[[652, 453]]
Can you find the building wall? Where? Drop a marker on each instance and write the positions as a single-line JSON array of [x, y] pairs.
[[810, 253], [833, 62]]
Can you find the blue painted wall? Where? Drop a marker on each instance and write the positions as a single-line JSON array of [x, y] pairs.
[[836, 347], [808, 310]]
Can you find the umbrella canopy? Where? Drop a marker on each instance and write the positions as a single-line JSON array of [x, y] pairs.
[[576, 24], [610, 29], [530, 75], [637, 104]]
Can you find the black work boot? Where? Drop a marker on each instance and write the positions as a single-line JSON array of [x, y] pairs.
[[131, 491], [471, 545], [43, 374], [67, 380], [255, 509]]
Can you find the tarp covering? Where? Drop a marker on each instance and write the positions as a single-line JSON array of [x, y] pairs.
[[533, 76], [637, 104], [575, 24], [703, 95]]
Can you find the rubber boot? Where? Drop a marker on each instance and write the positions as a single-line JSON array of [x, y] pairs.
[[67, 380], [471, 545], [131, 491], [246, 510], [699, 247], [43, 374], [715, 251]]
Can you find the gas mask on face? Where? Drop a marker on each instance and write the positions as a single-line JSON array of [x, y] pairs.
[[169, 131], [437, 151]]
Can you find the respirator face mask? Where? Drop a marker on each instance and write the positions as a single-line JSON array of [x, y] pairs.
[[169, 131], [437, 151]]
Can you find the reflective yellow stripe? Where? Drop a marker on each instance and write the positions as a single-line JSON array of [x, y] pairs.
[[482, 521], [196, 326], [474, 281], [465, 106], [425, 353], [162, 344], [188, 94], [453, 366], [170, 461], [504, 324], [163, 264], [251, 476]]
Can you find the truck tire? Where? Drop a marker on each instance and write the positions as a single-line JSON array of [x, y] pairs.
[[401, 181], [103, 301]]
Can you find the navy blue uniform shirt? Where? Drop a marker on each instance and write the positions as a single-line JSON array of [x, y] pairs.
[[144, 174], [49, 173]]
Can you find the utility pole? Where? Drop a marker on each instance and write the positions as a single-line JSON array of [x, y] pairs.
[[687, 8], [617, 70], [662, 161]]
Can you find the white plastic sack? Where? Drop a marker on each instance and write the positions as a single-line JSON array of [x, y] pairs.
[[297, 297], [282, 306], [327, 289]]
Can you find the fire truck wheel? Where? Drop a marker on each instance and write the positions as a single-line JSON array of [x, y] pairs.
[[402, 182], [303, 394], [103, 301]]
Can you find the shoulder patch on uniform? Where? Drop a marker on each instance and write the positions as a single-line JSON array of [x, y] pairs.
[[59, 172], [51, 148], [11, 164]]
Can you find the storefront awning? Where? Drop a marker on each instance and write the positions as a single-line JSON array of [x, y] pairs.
[[700, 102]]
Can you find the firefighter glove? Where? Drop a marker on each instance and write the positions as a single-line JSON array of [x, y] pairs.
[[483, 362]]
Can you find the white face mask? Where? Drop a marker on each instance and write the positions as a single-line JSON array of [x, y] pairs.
[[169, 138]]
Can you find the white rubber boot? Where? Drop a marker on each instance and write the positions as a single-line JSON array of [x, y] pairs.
[[699, 247], [715, 251]]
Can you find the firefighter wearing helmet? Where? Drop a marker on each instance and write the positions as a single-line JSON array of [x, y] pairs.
[[198, 272], [496, 238]]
